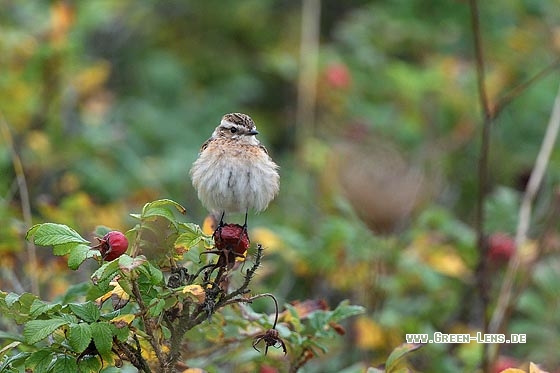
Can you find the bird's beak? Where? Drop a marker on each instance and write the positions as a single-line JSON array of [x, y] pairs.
[[253, 132]]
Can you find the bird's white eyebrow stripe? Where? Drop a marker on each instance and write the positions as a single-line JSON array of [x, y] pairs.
[[228, 124]]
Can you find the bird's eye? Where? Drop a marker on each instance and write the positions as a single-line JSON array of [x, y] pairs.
[[233, 130]]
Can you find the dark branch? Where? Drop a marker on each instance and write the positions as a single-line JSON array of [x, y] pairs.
[[481, 270]]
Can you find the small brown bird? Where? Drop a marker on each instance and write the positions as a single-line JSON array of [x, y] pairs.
[[233, 172]]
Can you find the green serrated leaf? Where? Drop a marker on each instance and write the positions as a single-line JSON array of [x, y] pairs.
[[40, 360], [318, 320], [38, 307], [165, 332], [105, 272], [162, 212], [345, 310], [11, 298], [122, 334], [187, 240], [314, 343], [64, 248], [125, 285], [102, 334], [31, 231], [162, 203], [155, 307], [127, 263], [89, 364], [195, 233], [64, 364], [15, 360], [79, 254], [110, 315], [153, 274], [161, 208], [156, 275], [36, 330], [79, 336], [397, 354], [191, 227], [26, 300], [17, 306], [48, 234], [89, 312], [69, 317]]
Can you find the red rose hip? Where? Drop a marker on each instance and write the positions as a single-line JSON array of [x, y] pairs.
[[232, 237], [338, 76], [112, 245], [501, 247]]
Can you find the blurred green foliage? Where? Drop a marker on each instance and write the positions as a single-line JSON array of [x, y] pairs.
[[107, 103]]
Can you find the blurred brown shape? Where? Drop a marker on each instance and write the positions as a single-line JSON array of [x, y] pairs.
[[383, 187]]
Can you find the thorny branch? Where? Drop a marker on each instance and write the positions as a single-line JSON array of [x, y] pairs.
[[134, 355], [147, 322], [216, 298]]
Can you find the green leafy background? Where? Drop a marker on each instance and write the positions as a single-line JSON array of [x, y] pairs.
[[106, 104]]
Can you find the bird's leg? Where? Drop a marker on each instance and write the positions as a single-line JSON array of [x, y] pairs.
[[245, 223], [221, 224], [244, 231]]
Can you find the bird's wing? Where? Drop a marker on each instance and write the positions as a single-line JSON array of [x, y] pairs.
[[205, 145]]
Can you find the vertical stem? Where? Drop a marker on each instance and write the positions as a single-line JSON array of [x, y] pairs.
[[481, 271], [524, 219], [307, 81], [148, 325], [24, 200], [479, 57], [486, 125]]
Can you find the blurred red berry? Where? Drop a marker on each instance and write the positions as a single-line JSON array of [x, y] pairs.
[[338, 75], [501, 247], [267, 369], [505, 362], [112, 245], [232, 237]]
